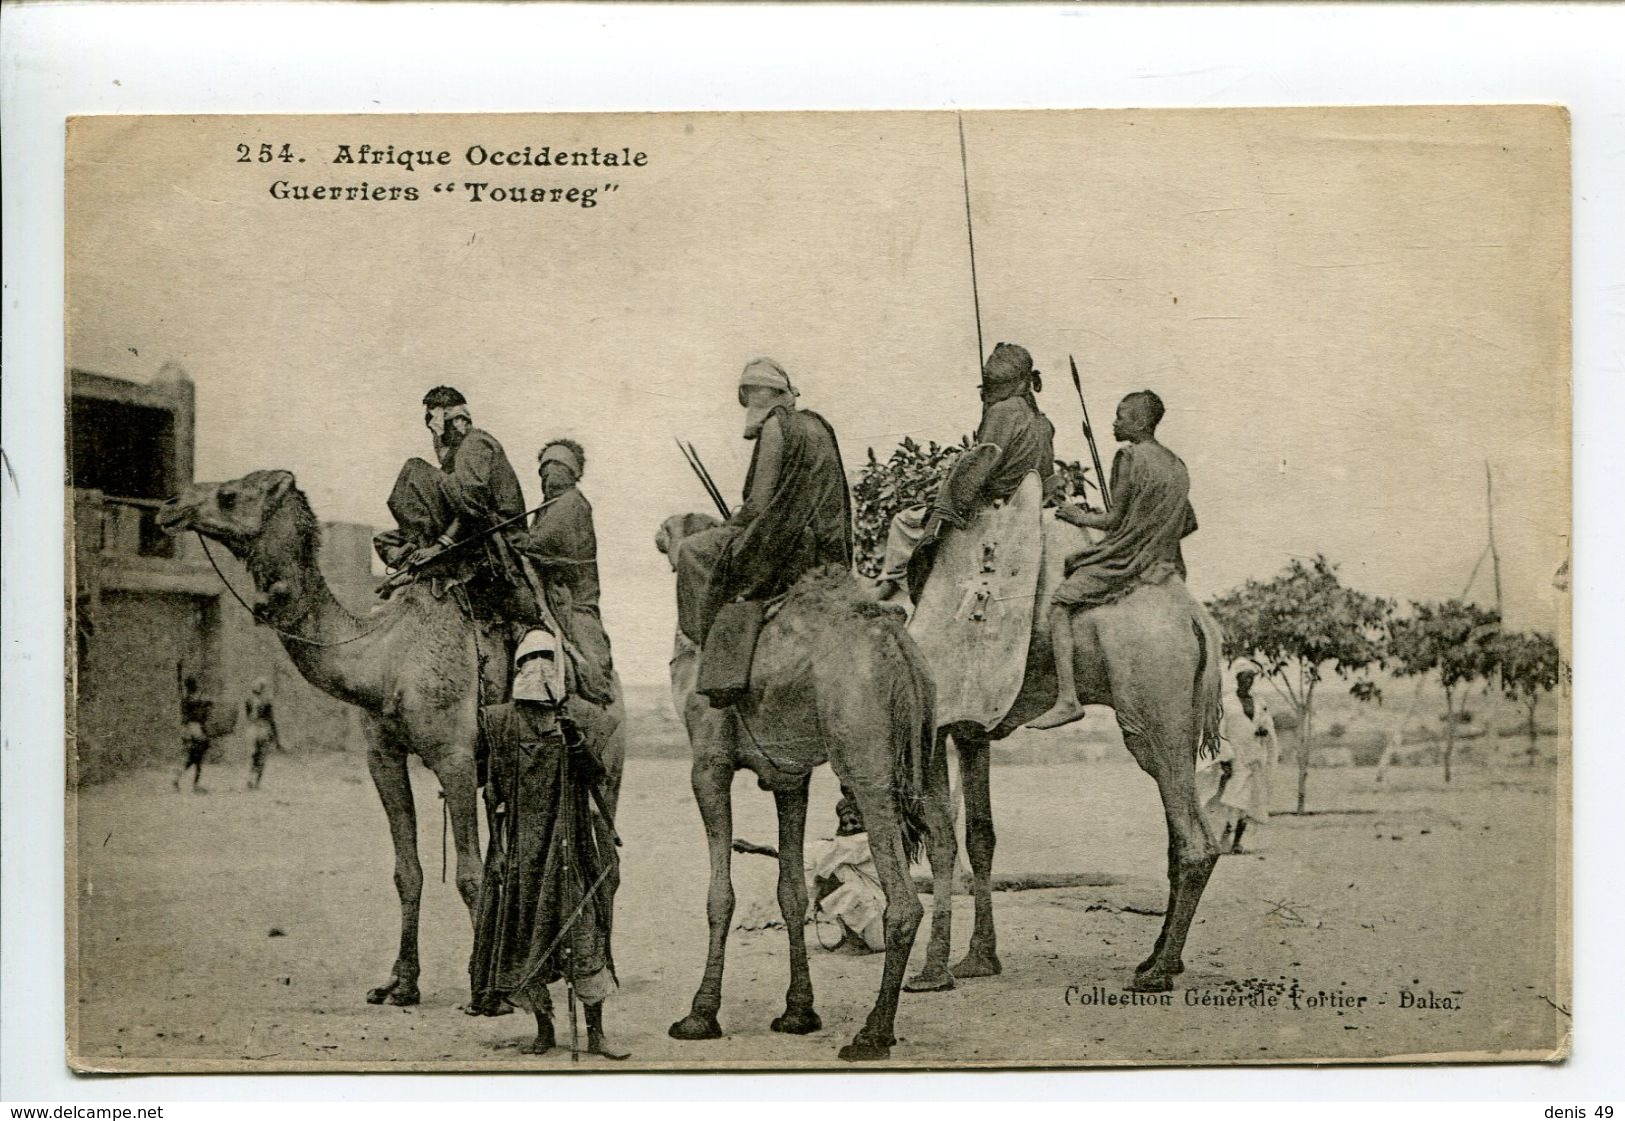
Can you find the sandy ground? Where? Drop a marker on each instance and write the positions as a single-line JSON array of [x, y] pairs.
[[1408, 887]]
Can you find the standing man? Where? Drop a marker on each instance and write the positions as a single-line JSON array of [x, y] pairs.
[[551, 871], [473, 488], [1151, 513], [1249, 737], [260, 715], [1019, 438], [797, 513], [562, 545], [196, 711]]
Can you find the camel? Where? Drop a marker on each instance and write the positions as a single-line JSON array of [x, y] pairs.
[[413, 667], [834, 678], [1152, 656]]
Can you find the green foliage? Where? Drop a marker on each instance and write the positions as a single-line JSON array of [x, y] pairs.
[[1300, 626], [1306, 620], [910, 477], [1529, 664], [1459, 641]]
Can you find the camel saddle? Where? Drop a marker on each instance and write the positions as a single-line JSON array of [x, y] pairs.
[[974, 617]]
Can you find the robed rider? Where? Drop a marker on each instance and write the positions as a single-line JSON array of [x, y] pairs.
[[1014, 439], [796, 516]]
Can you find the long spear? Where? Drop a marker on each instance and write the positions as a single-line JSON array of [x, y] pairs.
[[704, 476], [970, 236], [1089, 435]]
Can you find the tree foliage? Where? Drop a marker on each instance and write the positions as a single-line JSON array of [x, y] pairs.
[[1530, 667], [910, 477], [1299, 627], [1458, 641]]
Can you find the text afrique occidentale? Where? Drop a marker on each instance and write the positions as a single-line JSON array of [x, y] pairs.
[[428, 159]]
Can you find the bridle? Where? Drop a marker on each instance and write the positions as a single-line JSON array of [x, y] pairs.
[[261, 620]]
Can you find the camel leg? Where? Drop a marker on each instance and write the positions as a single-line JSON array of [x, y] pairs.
[[943, 850], [1168, 909], [1191, 850], [974, 759], [713, 782], [459, 785], [799, 1017], [903, 911], [388, 768]]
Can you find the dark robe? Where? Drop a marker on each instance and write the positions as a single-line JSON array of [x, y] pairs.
[[476, 488], [549, 847], [1151, 498], [1026, 442], [797, 516], [562, 545]]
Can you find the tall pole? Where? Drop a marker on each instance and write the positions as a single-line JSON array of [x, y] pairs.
[[1495, 555], [970, 236]]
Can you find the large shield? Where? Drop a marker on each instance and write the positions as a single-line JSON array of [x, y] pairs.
[[974, 618]]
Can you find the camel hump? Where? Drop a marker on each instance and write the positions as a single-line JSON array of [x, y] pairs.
[[974, 620]]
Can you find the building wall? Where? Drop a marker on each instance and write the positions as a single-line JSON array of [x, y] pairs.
[[146, 614], [148, 608]]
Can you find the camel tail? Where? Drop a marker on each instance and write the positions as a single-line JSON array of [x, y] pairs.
[[913, 737], [1206, 693]]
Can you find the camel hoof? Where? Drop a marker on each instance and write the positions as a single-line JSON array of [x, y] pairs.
[[1149, 965], [978, 965], [930, 980], [405, 996], [381, 993], [797, 1021], [1151, 983], [696, 1026], [863, 1049]]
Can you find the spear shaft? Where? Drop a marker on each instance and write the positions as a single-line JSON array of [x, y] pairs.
[[970, 236], [1089, 435]]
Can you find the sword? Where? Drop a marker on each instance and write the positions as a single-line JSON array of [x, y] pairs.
[[1089, 435]]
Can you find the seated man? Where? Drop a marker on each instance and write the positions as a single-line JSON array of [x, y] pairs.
[[547, 903], [1151, 513], [562, 545], [846, 887], [473, 489], [1024, 441], [797, 513]]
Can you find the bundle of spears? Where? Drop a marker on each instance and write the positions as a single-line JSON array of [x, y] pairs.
[[704, 476]]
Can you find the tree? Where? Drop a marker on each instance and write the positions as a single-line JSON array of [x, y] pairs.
[[910, 477], [1529, 667], [1457, 640], [1299, 627]]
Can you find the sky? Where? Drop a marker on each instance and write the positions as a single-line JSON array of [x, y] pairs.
[[1348, 312]]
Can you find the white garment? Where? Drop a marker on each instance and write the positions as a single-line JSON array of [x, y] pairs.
[[1250, 743], [858, 904]]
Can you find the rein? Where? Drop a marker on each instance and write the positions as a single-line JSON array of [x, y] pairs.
[[290, 636]]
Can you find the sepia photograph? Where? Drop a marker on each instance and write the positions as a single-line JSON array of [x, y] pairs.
[[791, 591]]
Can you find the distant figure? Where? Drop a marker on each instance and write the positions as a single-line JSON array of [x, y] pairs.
[[846, 886], [1151, 513], [262, 734], [1247, 741], [196, 709]]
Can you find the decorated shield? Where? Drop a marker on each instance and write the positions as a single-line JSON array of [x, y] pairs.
[[974, 618]]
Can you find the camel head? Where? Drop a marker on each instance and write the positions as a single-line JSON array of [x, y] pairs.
[[262, 519], [675, 528]]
